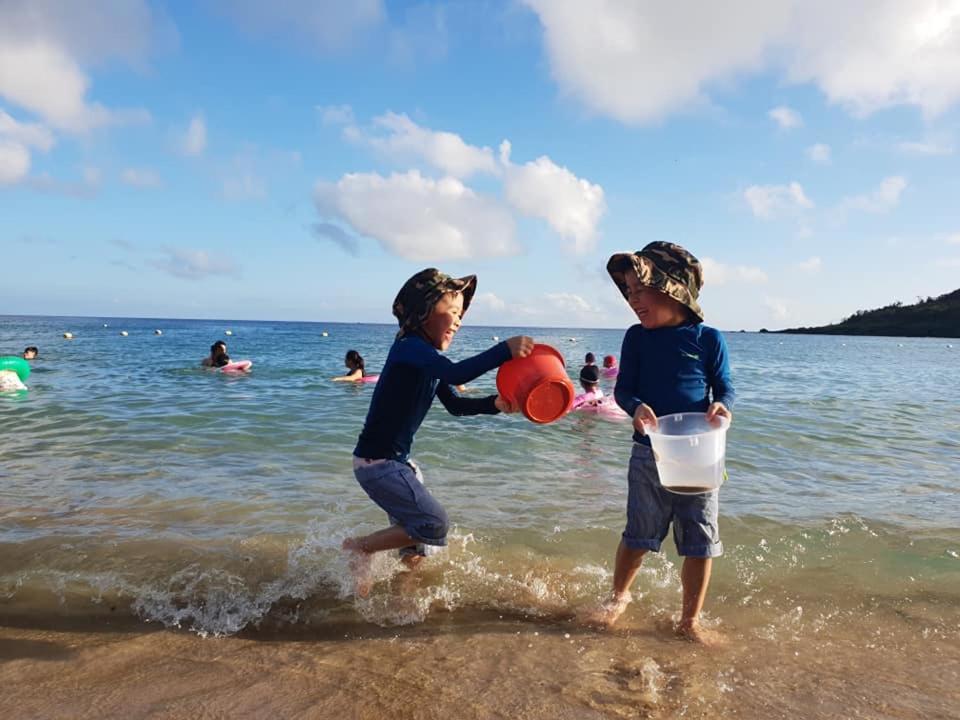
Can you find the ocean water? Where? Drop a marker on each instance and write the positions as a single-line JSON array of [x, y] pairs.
[[137, 487]]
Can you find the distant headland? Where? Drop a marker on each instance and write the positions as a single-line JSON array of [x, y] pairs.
[[933, 317]]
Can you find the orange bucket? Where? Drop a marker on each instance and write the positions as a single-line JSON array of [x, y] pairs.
[[537, 383]]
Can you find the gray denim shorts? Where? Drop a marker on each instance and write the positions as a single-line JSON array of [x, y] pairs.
[[651, 509], [399, 491]]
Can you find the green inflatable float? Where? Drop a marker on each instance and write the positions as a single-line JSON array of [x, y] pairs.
[[17, 364]]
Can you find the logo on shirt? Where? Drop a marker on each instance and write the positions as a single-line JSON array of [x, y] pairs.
[[689, 355]]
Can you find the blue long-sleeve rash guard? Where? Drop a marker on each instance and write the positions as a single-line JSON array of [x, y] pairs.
[[673, 369], [413, 374]]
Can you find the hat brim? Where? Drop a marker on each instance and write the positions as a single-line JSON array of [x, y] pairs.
[[620, 265]]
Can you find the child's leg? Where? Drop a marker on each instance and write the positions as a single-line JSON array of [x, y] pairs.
[[695, 576], [419, 519], [648, 518], [626, 567], [697, 535]]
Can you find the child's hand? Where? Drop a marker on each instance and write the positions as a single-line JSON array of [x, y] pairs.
[[504, 405], [520, 346], [644, 416], [718, 410]]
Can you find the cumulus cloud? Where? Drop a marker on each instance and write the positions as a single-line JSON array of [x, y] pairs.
[[189, 264], [717, 273], [785, 117], [489, 301], [417, 217], [399, 137], [140, 178], [26, 134], [767, 201], [572, 206], [639, 62], [16, 139], [811, 265], [44, 45], [193, 140], [14, 162], [820, 154], [883, 199]]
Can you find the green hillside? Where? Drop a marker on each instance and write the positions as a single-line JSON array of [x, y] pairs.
[[933, 317]]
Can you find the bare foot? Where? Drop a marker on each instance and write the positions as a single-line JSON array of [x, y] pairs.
[[693, 631], [607, 614], [359, 562]]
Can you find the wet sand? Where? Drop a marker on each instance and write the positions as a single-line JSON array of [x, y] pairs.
[[888, 665]]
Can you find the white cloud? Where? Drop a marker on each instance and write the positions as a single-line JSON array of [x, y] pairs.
[[766, 201], [639, 62], [820, 154], [27, 134], [14, 162], [417, 217], [336, 114], [777, 308], [489, 301], [881, 200], [193, 141], [926, 147], [811, 265], [785, 117], [140, 177], [716, 273], [324, 25], [953, 239], [191, 264], [572, 206], [406, 140], [43, 44], [568, 303]]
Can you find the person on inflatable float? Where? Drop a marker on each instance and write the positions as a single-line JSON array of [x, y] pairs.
[[218, 355], [354, 363]]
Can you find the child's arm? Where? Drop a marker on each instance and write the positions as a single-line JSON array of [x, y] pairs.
[[458, 405], [626, 386], [624, 392], [718, 375], [355, 375], [422, 355]]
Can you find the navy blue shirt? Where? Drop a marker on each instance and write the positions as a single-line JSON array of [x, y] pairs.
[[673, 369], [413, 374]]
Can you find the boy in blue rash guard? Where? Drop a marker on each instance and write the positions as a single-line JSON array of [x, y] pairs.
[[429, 308], [671, 362]]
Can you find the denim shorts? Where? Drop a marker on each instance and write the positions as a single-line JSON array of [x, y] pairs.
[[399, 491], [651, 509]]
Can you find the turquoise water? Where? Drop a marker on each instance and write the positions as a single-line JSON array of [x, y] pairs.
[[133, 481]]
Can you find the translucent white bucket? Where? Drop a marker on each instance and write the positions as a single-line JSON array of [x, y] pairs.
[[690, 452]]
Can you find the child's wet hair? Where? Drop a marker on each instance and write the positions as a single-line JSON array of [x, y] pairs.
[[590, 358], [590, 375], [354, 360]]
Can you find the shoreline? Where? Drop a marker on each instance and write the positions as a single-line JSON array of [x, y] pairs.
[[484, 667]]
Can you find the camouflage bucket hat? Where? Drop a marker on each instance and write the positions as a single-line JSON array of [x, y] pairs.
[[419, 294], [662, 266]]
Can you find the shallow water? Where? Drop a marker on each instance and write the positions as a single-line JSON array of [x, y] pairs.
[[136, 488]]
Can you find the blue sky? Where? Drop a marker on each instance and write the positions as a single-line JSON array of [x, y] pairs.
[[298, 160]]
